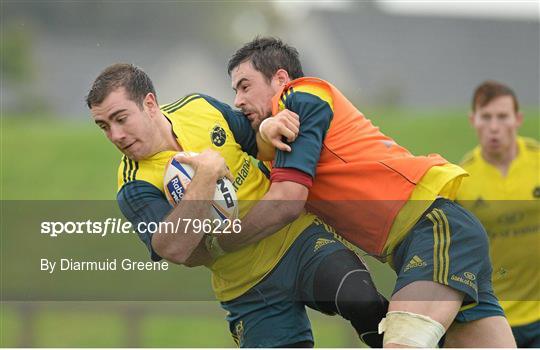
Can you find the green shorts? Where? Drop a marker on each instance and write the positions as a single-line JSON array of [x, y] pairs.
[[273, 313], [448, 245]]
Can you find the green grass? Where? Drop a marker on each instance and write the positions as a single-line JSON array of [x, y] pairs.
[[185, 324], [11, 327], [47, 159], [58, 159], [191, 331]]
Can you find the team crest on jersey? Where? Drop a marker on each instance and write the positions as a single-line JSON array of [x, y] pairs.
[[536, 192], [218, 136]]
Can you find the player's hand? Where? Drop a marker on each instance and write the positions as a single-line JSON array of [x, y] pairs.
[[208, 162], [284, 124]]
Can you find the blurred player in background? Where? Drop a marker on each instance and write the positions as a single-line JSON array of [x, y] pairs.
[[264, 286], [377, 195], [503, 191]]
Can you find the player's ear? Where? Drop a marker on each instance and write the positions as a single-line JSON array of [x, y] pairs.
[[471, 118], [150, 102], [282, 77], [519, 118]]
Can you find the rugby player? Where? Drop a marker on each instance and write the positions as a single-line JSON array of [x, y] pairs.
[[393, 205], [264, 286], [503, 191]]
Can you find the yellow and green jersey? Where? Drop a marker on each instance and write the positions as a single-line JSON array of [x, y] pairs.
[[509, 208], [200, 122]]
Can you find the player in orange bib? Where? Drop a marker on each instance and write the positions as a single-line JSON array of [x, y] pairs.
[[390, 203]]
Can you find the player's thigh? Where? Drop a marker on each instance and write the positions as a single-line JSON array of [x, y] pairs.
[[255, 322], [447, 251], [271, 313], [439, 302], [492, 332]]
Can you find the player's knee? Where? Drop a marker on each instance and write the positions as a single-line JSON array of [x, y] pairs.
[[357, 298], [343, 285]]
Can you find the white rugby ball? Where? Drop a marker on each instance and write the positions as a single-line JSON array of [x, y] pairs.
[[177, 179]]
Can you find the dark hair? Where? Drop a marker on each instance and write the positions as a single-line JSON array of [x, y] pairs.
[[490, 90], [132, 78], [268, 55]]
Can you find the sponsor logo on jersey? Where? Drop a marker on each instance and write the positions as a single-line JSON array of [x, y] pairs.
[[415, 262], [466, 280], [242, 174], [469, 275], [218, 136], [322, 242]]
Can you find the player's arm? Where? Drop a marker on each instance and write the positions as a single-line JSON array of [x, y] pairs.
[[291, 176], [283, 125], [186, 245], [142, 202]]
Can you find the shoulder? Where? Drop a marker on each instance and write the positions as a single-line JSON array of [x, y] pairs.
[[470, 159], [149, 170], [531, 145], [181, 102], [201, 104], [309, 90], [197, 101]]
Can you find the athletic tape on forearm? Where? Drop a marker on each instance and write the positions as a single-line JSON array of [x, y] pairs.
[[260, 130]]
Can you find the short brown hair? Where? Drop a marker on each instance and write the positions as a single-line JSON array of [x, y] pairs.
[[132, 78], [268, 55], [490, 90]]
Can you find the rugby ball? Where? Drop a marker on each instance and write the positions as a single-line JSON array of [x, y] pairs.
[[177, 179]]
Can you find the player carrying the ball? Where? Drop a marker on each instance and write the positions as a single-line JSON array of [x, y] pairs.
[[395, 206], [265, 285]]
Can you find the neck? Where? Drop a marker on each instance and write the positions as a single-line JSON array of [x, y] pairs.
[[167, 139], [502, 160]]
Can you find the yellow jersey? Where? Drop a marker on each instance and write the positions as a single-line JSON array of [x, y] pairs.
[[200, 122], [509, 208]]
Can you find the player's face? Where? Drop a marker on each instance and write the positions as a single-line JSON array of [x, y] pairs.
[[496, 125], [128, 126], [253, 93]]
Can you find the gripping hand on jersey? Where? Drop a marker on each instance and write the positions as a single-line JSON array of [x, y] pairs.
[[284, 124]]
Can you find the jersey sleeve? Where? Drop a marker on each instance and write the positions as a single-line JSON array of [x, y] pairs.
[[141, 201], [315, 117], [240, 126]]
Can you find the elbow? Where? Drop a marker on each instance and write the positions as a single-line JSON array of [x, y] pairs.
[[292, 210], [290, 199], [176, 254]]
